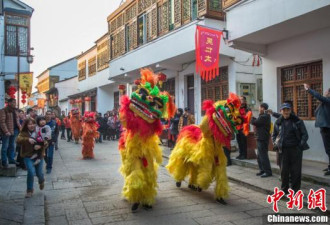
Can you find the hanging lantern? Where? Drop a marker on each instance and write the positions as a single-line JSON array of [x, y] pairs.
[[161, 79], [23, 101], [11, 91], [23, 97], [78, 101], [122, 88], [71, 101], [88, 99]]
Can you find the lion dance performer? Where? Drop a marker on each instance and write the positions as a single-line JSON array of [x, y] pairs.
[[199, 149], [90, 132], [75, 120], [140, 117]]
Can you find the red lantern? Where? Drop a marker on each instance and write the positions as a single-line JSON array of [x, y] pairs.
[[122, 88], [71, 101], [23, 101], [88, 99], [161, 79], [11, 91]]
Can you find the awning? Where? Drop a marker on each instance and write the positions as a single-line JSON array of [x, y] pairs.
[[90, 93]]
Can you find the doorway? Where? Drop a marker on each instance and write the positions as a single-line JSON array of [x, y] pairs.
[[191, 94]]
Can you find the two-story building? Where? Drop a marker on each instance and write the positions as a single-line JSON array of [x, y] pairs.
[[15, 39], [48, 78], [160, 34], [66, 88], [95, 90], [293, 39]]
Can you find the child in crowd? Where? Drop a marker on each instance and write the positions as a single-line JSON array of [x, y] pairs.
[[42, 134]]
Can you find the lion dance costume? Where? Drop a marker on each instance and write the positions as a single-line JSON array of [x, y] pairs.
[[90, 132], [199, 149], [75, 120], [140, 117]]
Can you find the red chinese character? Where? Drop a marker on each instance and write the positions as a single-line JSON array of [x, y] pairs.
[[295, 200], [316, 199], [278, 194]]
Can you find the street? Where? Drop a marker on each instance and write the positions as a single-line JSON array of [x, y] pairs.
[[88, 192]]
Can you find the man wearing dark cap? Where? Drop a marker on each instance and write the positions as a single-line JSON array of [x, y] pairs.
[[290, 140], [262, 125], [322, 114]]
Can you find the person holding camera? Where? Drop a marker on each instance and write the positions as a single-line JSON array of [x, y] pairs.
[[262, 124], [290, 140]]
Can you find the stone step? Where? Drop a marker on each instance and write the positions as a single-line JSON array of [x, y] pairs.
[[306, 175], [8, 172], [34, 210]]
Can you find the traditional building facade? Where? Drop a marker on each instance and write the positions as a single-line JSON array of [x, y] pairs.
[[293, 39], [15, 39], [160, 34], [66, 88], [48, 93]]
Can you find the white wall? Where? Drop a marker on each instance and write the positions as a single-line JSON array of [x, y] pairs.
[[65, 70], [309, 47], [105, 98], [67, 88], [255, 15]]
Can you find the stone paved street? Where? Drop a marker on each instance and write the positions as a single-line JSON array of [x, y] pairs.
[[88, 192]]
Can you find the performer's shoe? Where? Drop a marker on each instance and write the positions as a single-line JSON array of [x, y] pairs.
[[178, 184], [147, 207], [264, 175], [192, 187], [325, 170], [260, 173], [135, 206], [221, 201], [199, 189], [327, 173]]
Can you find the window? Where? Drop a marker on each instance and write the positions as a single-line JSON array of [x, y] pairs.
[[142, 34], [17, 35], [163, 18], [92, 66], [103, 55], [169, 86], [292, 82], [128, 38], [215, 5], [193, 9], [216, 89], [116, 100], [82, 70]]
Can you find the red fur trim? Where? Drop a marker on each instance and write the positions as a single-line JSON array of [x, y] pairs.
[[218, 136], [170, 105], [193, 132], [122, 140], [234, 99], [246, 124], [136, 124]]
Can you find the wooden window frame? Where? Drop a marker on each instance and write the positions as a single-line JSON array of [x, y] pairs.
[[218, 82], [82, 71], [296, 83], [17, 25]]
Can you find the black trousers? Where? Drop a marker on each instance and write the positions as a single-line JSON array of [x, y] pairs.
[[63, 132], [325, 133], [69, 134], [242, 143], [291, 161], [262, 158], [227, 153]]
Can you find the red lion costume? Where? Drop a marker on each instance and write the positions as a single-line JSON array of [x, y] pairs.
[[90, 132], [75, 120]]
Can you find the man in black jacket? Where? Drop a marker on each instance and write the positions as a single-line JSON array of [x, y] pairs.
[[262, 125], [290, 140], [322, 121]]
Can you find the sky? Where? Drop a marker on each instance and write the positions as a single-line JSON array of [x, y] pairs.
[[62, 29]]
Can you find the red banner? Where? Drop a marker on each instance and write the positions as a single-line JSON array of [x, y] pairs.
[[207, 42]]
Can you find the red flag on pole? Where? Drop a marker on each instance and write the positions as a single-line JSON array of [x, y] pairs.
[[207, 43]]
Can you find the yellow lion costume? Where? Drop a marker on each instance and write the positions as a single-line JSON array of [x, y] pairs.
[[199, 149], [140, 153]]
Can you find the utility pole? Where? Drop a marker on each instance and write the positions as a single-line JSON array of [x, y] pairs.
[[18, 72]]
